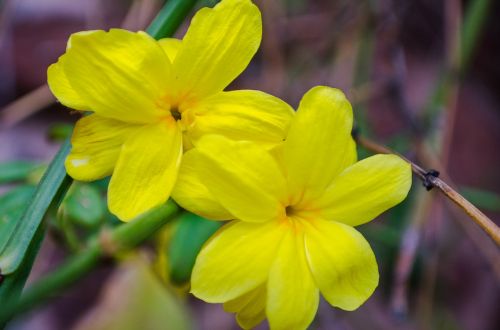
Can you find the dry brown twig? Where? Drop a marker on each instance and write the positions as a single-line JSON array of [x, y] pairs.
[[430, 179]]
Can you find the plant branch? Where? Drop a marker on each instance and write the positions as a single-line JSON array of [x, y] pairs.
[[165, 24], [430, 179]]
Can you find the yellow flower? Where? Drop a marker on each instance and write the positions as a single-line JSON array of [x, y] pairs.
[[295, 210], [149, 98]]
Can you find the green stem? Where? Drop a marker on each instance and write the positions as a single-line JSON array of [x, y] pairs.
[[170, 18], [121, 238], [473, 24]]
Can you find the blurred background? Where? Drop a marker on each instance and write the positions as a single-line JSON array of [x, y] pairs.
[[415, 85]]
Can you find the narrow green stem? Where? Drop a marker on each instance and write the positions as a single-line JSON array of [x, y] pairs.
[[121, 238], [170, 17], [473, 24]]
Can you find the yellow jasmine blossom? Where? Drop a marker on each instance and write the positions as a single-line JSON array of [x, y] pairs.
[[296, 210], [150, 98]]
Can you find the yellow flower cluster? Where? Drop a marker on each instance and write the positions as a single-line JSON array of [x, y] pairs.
[[289, 182]]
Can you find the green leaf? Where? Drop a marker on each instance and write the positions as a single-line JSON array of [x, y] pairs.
[[16, 171], [12, 286], [12, 205], [84, 206], [53, 185], [190, 235], [483, 199]]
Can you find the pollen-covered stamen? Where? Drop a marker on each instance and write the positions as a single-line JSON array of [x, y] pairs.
[[176, 114]]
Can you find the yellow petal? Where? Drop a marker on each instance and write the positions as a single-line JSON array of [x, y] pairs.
[[243, 177], [80, 34], [191, 193], [235, 260], [242, 115], [95, 145], [119, 74], [319, 144], [171, 47], [342, 263], [146, 170], [292, 295], [61, 88], [217, 47], [250, 308], [366, 189]]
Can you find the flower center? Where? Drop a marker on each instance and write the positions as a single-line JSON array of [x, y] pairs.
[[290, 211], [176, 114]]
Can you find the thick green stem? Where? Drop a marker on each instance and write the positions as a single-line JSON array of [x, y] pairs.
[[170, 17], [121, 238]]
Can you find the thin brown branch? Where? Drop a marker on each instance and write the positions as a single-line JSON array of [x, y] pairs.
[[26, 106], [430, 180]]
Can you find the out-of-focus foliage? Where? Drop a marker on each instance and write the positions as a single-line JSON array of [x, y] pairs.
[[83, 205], [135, 299], [482, 198], [16, 171]]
